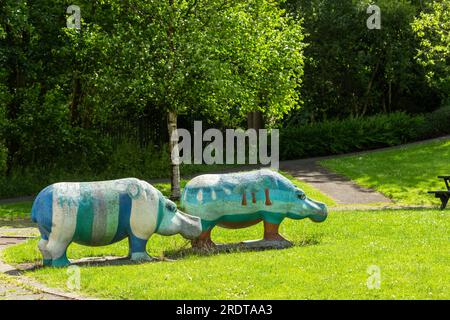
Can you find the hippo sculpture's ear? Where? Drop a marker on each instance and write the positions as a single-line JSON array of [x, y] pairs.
[[171, 206], [136, 191], [301, 196]]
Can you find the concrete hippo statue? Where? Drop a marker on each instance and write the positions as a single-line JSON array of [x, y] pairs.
[[239, 200], [104, 212]]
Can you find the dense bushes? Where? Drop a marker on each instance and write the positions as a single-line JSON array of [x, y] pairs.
[[3, 154], [118, 158], [437, 123], [357, 134], [121, 158]]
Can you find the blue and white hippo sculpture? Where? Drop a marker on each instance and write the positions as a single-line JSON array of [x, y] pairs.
[[239, 200], [104, 212]]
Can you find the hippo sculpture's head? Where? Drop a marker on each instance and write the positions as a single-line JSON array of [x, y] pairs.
[[303, 207], [175, 221]]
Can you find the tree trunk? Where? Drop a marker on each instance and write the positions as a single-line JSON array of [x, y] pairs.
[[390, 95], [76, 99], [16, 80], [369, 87], [173, 149], [255, 120], [172, 120]]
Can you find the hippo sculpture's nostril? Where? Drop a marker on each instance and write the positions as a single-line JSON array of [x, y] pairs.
[[321, 214]]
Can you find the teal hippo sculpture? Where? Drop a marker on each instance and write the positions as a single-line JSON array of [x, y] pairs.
[[104, 212], [239, 200]]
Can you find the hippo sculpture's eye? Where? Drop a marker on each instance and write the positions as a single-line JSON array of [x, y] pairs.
[[301, 196]]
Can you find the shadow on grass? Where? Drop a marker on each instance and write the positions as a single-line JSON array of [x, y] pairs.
[[17, 223], [171, 255], [247, 246], [84, 262]]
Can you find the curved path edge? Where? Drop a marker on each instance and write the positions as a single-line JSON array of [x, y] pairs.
[[25, 288]]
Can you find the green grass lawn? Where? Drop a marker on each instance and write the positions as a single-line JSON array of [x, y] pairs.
[[19, 210], [329, 261], [404, 174]]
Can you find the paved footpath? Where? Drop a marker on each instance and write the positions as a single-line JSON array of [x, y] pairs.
[[342, 190], [11, 288]]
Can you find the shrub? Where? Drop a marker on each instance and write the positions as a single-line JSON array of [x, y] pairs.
[[3, 154], [437, 123], [129, 159], [349, 135], [90, 156]]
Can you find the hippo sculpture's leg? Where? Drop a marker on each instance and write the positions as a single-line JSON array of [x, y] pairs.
[[42, 245], [138, 250], [271, 233], [54, 251], [203, 241]]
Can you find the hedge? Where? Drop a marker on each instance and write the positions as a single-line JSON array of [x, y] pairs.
[[362, 133]]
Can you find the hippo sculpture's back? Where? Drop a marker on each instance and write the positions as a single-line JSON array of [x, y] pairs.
[[238, 200], [104, 212]]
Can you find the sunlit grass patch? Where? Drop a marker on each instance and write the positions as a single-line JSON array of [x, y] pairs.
[[19, 210], [329, 261], [405, 174]]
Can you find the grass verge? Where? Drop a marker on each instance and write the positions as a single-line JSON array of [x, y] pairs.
[[19, 210], [331, 260], [403, 174]]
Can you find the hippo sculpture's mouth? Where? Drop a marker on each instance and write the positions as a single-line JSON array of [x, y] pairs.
[[190, 226]]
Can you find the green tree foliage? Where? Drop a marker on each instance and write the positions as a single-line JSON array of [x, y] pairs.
[[353, 71], [432, 27], [72, 100], [219, 58], [215, 59], [35, 85]]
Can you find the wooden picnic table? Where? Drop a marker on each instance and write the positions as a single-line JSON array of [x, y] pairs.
[[444, 195], [447, 181]]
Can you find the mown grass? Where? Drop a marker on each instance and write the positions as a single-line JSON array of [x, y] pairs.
[[404, 174], [330, 260], [19, 210]]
